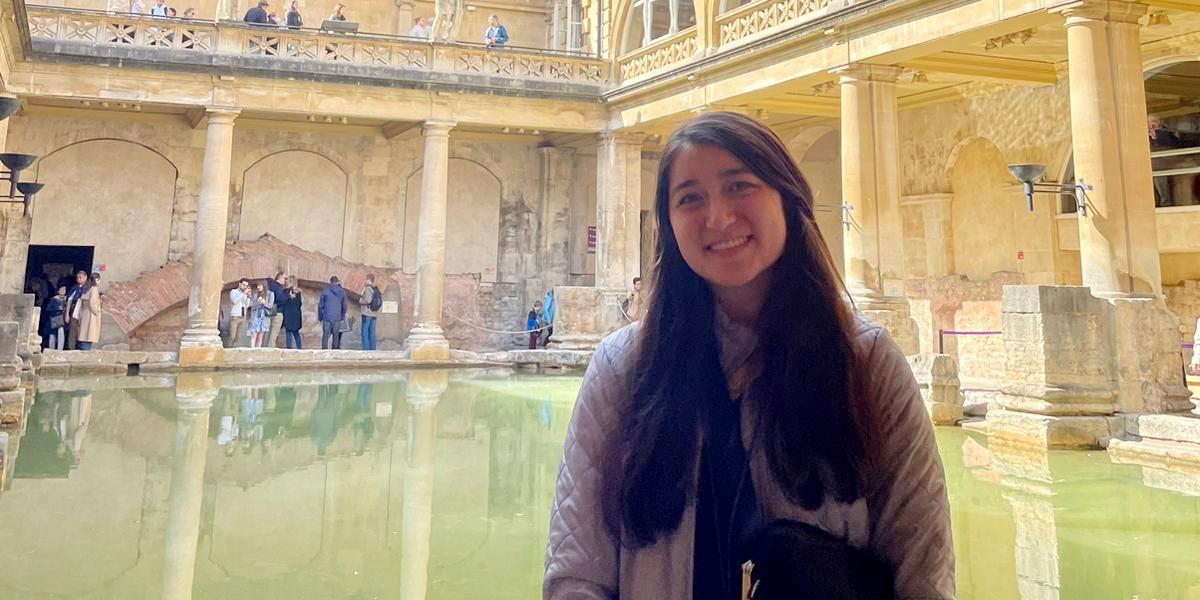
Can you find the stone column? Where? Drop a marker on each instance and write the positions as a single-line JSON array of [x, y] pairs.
[[422, 393], [201, 342], [555, 214], [194, 394], [618, 209], [937, 376], [874, 244], [427, 341], [1118, 243], [1118, 239]]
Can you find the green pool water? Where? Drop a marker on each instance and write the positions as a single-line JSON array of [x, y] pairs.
[[439, 486]]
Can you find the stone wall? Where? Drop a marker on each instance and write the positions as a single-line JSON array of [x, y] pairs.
[[1184, 301], [955, 303]]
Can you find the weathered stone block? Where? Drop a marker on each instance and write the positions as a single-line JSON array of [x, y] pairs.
[[937, 376], [585, 315], [1148, 362], [1176, 428], [1045, 431], [12, 406]]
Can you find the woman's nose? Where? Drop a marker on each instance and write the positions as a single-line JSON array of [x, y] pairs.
[[720, 213]]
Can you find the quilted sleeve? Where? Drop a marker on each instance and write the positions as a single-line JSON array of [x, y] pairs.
[[909, 508], [582, 558]]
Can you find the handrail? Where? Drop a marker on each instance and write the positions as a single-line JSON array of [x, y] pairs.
[[761, 16], [658, 54], [363, 50]]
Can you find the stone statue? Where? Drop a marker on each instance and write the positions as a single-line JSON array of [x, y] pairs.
[[445, 20]]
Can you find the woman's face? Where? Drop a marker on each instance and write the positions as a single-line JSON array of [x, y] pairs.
[[728, 223]]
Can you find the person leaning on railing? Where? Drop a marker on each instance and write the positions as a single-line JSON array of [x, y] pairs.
[[496, 34], [294, 19]]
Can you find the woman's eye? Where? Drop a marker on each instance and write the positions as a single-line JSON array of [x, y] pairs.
[[687, 199], [740, 186]]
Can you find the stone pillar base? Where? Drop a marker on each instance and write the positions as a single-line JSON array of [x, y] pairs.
[[427, 341], [1148, 360], [893, 315], [201, 348], [1056, 433], [585, 315], [937, 376]]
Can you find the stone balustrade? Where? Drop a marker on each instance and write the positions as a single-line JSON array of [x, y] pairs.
[[658, 56], [230, 43], [748, 21]]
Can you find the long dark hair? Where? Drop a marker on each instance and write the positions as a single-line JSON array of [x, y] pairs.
[[814, 426]]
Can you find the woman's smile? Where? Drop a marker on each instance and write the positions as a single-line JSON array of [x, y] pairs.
[[728, 245]]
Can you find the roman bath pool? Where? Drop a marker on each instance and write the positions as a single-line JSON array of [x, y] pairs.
[[434, 485]]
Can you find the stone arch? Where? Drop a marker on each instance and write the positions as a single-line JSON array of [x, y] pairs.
[[131, 304], [818, 154], [122, 203], [318, 224], [474, 196], [620, 15], [981, 210]]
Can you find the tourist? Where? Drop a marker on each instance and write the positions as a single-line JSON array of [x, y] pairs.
[[159, 9], [548, 309], [239, 304], [74, 308], [55, 315], [338, 13], [135, 7], [258, 14], [293, 315], [496, 34], [294, 19], [276, 287], [171, 12], [420, 28], [533, 324], [274, 19], [261, 313], [331, 310], [189, 13], [748, 324], [369, 303], [89, 326], [633, 304]]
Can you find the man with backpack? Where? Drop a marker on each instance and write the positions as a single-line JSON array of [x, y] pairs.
[[369, 303]]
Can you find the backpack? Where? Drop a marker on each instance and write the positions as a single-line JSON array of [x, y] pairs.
[[376, 299]]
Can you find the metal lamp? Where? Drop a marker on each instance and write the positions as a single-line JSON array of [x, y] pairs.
[[15, 163], [1029, 173]]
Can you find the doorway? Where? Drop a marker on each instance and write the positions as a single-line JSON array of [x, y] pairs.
[[48, 266]]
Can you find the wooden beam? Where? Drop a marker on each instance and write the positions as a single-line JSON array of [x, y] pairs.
[[979, 66]]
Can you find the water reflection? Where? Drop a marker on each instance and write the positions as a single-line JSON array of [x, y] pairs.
[[432, 485]]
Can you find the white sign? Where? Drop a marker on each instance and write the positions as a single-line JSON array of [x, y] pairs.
[[390, 307]]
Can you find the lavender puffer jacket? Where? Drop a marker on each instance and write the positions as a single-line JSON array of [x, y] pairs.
[[905, 516]]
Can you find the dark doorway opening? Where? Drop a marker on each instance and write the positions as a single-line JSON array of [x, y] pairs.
[[50, 266]]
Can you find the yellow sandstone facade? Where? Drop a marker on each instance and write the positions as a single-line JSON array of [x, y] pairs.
[[476, 179]]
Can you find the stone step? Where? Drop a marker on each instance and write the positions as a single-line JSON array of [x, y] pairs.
[[1174, 428], [1171, 456]]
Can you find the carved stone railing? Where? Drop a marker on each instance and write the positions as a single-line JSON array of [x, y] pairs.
[[750, 20], [659, 55], [126, 30], [243, 45]]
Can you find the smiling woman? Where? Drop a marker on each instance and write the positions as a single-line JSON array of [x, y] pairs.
[[751, 415]]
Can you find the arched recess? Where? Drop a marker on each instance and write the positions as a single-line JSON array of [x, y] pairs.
[[665, 17], [819, 156], [472, 219], [298, 196], [982, 211], [113, 194]]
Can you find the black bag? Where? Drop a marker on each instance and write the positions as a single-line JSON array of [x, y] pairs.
[[376, 299], [793, 561]]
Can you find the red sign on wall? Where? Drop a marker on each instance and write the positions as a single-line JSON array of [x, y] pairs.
[[591, 240], [1020, 255]]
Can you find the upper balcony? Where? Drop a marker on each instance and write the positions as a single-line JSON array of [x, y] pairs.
[[83, 35]]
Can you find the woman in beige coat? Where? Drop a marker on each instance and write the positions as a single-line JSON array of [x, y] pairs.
[[750, 408], [89, 317]]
